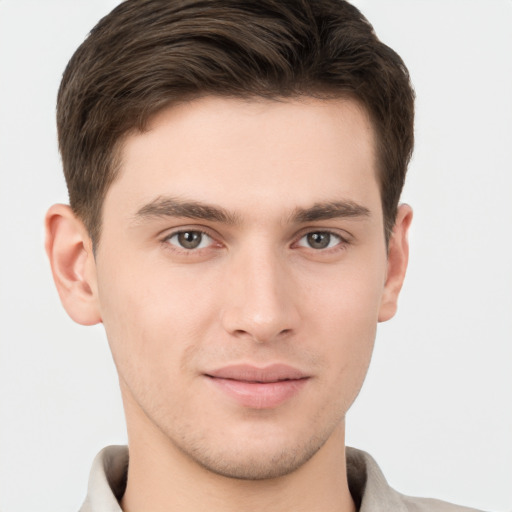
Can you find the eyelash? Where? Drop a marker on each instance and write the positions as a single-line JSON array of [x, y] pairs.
[[183, 250], [341, 244]]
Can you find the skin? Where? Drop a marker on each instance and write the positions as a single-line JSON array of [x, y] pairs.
[[259, 290]]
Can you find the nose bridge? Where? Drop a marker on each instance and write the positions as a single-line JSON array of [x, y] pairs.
[[260, 302]]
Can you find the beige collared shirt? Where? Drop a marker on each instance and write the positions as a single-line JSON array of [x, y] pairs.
[[367, 484]]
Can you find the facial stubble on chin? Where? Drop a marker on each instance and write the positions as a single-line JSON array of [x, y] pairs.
[[259, 465]]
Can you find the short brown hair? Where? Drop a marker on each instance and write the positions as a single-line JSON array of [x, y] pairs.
[[149, 54]]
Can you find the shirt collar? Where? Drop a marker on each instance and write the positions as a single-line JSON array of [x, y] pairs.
[[107, 480], [367, 484]]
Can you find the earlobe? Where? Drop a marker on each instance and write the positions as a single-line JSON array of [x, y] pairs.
[[398, 257], [69, 250]]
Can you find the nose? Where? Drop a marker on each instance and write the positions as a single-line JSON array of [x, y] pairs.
[[260, 297]]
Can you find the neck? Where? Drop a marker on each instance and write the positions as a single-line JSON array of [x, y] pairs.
[[161, 478]]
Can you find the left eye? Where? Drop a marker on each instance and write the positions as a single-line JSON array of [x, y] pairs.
[[190, 240], [320, 240]]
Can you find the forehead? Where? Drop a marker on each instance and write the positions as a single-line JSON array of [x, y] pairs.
[[250, 153]]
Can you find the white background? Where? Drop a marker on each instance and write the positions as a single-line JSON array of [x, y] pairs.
[[436, 410]]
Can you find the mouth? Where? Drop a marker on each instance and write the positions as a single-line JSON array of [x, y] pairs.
[[258, 388]]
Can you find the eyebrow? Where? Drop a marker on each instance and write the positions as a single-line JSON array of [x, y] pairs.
[[330, 210], [175, 207]]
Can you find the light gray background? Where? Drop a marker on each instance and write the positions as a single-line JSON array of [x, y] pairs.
[[436, 409]]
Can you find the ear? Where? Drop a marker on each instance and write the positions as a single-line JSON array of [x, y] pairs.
[[69, 250], [398, 256]]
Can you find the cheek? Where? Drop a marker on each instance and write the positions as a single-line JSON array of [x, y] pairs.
[[152, 317], [346, 297], [342, 309]]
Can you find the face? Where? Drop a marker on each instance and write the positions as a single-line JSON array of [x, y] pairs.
[[240, 277]]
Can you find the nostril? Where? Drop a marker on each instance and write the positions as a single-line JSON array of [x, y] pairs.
[[261, 336]]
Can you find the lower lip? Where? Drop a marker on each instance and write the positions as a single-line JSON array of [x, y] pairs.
[[259, 395]]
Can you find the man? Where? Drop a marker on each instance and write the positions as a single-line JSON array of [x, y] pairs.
[[234, 172]]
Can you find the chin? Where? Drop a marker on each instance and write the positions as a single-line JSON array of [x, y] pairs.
[[260, 460]]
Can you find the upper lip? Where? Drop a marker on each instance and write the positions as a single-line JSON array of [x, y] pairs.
[[250, 373]]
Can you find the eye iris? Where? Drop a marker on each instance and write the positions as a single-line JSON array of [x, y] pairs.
[[319, 240], [190, 239]]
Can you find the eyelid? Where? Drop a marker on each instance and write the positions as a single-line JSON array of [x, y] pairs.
[[169, 231], [165, 235], [204, 240], [345, 236], [332, 236], [345, 239]]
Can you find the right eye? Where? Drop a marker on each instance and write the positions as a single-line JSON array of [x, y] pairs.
[[189, 239]]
